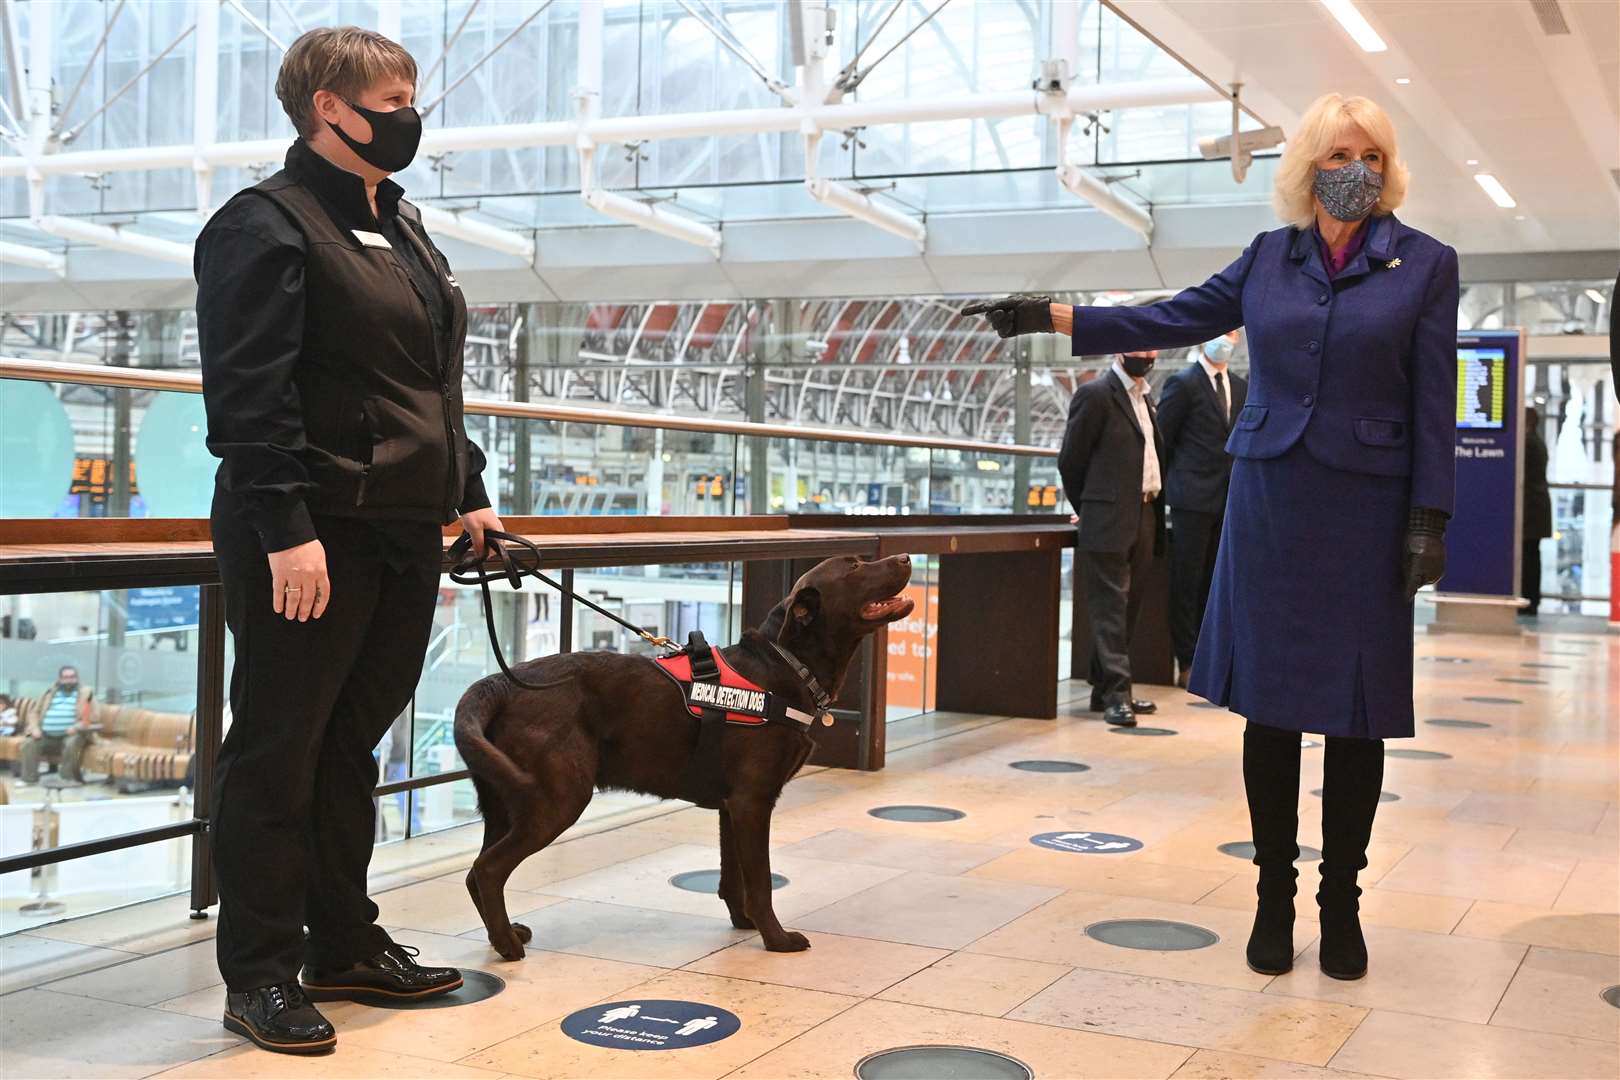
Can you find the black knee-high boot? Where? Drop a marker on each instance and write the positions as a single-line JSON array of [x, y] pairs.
[[1353, 774], [1271, 782]]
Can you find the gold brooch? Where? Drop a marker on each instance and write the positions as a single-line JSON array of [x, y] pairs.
[[1392, 264]]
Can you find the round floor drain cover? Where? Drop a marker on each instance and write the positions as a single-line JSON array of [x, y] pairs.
[[1308, 744], [1611, 995], [1141, 731], [1446, 721], [475, 986], [1383, 796], [1154, 935], [1519, 680], [941, 1063], [1051, 766], [1547, 667], [1418, 755], [916, 813], [708, 881], [1495, 700], [1243, 849], [1446, 659]]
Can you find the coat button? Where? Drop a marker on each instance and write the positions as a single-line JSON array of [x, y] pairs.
[[1311, 346], [1306, 401], [1322, 299]]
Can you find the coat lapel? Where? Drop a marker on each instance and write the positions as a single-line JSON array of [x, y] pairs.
[[1122, 398], [1308, 254], [1209, 393]]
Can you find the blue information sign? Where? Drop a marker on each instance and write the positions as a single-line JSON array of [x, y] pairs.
[[162, 606], [1482, 540], [1087, 843], [651, 1025]]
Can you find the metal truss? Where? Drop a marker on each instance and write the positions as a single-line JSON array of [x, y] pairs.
[[37, 123], [903, 366]]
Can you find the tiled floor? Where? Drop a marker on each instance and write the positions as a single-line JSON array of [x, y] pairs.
[[1492, 915]]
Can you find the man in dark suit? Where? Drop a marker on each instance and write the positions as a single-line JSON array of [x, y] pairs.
[[1538, 515], [1196, 407], [1112, 465]]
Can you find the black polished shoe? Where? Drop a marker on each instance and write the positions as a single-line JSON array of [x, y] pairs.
[[1143, 707], [392, 973], [279, 1018], [1120, 715]]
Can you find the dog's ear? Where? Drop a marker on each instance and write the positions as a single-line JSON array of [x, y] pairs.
[[803, 606]]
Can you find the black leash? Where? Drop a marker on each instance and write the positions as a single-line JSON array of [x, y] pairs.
[[468, 569]]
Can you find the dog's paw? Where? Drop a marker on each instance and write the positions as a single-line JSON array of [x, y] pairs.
[[522, 933], [509, 952], [792, 941]]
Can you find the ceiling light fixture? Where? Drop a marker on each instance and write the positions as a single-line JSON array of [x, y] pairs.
[[1595, 296], [1356, 25], [1472, 161], [1403, 81], [1493, 187]]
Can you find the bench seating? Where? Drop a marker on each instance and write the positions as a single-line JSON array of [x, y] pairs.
[[131, 746]]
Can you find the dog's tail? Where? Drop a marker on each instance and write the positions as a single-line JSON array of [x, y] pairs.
[[487, 762]]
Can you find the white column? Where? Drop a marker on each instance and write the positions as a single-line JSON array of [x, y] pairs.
[[205, 102], [40, 58]]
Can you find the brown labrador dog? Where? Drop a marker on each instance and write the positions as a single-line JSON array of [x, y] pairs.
[[614, 721]]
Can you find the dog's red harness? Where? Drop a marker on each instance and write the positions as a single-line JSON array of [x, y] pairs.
[[712, 687]]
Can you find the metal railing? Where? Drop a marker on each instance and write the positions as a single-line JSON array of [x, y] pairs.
[[211, 684], [186, 382]]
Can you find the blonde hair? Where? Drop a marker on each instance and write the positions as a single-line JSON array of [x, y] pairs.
[[1318, 132], [347, 60]]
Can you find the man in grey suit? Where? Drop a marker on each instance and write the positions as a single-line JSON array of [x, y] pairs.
[[1111, 463], [1196, 407]]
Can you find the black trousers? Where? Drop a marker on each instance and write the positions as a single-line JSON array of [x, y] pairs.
[[1530, 574], [1195, 537], [1112, 606], [293, 819]]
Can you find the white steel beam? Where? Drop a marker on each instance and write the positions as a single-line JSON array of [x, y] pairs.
[[114, 238], [32, 257], [11, 41], [1080, 182], [622, 129], [205, 102], [588, 99], [457, 224]]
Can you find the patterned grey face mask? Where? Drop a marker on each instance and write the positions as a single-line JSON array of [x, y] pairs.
[[1349, 192]]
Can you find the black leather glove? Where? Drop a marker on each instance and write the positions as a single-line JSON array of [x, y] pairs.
[[1014, 315], [1425, 548]]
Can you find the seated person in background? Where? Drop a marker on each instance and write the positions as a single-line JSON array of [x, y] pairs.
[[8, 715], [60, 729]]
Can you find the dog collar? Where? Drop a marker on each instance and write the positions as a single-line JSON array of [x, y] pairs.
[[822, 699]]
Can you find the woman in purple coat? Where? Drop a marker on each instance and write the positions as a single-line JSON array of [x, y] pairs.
[[1341, 489]]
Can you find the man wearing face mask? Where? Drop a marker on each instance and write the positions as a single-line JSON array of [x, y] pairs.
[[1339, 497], [1196, 409], [331, 332], [1112, 468]]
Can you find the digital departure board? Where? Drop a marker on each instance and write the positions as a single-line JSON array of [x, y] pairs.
[[1481, 388]]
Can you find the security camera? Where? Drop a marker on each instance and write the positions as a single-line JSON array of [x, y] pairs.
[[1246, 143]]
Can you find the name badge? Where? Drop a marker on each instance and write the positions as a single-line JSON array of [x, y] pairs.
[[371, 239]]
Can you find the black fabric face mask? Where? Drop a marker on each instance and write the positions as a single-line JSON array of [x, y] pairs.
[[1136, 366], [394, 137]]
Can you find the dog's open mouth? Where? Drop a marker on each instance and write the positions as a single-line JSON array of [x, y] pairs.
[[895, 607]]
